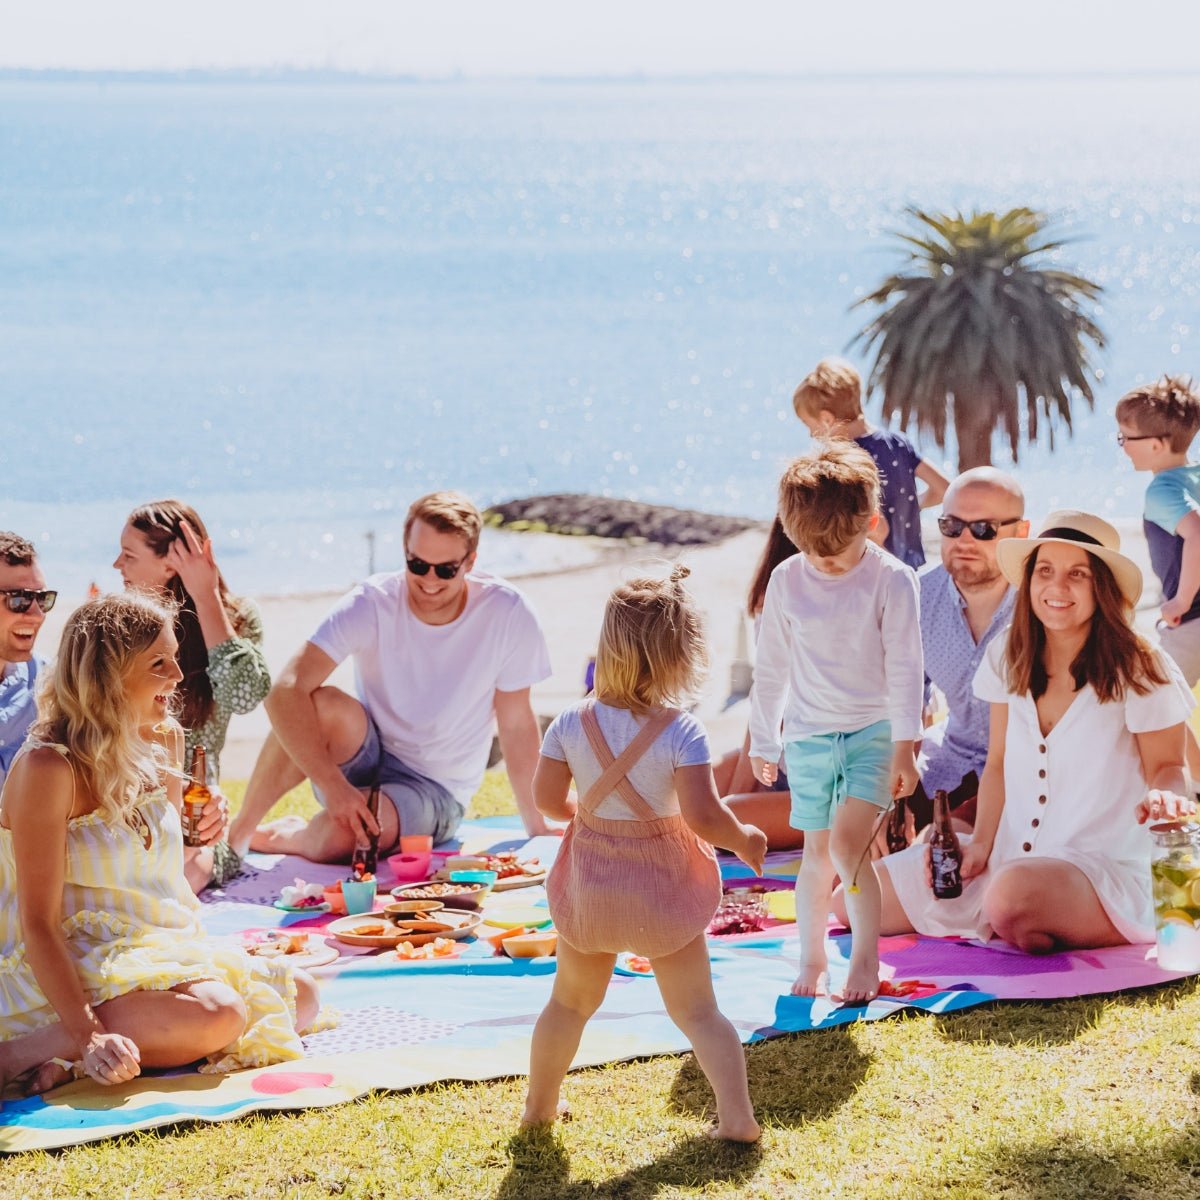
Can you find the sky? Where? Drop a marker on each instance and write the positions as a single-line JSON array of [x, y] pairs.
[[489, 38]]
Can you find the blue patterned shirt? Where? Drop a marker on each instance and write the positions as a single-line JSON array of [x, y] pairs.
[[957, 747], [17, 709]]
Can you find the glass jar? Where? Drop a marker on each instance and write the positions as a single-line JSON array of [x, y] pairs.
[[1175, 877]]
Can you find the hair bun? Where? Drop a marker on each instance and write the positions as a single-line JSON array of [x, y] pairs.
[[679, 573]]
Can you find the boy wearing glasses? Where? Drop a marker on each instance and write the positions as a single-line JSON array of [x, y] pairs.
[[1157, 423], [965, 602], [443, 654], [24, 603]]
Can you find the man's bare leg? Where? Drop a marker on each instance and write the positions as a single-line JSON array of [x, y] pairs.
[[322, 839], [343, 724]]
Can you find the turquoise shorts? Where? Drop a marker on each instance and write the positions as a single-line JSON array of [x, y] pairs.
[[824, 769]]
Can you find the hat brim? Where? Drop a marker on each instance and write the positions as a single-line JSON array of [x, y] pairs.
[[1013, 553]]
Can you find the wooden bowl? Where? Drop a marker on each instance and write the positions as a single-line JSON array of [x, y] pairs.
[[452, 895], [461, 925], [531, 945], [400, 910]]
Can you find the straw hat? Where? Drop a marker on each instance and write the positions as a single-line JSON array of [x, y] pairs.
[[1070, 527]]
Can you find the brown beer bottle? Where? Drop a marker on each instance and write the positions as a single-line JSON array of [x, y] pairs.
[[945, 854], [195, 798], [897, 834], [366, 854]]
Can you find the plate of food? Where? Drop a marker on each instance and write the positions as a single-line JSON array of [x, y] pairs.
[[373, 929], [312, 907], [511, 871], [298, 949], [438, 948], [633, 964], [301, 897], [454, 895]]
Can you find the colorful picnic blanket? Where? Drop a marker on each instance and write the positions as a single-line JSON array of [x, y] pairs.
[[402, 1025]]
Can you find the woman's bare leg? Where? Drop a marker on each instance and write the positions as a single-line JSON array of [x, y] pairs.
[[771, 812], [1042, 904]]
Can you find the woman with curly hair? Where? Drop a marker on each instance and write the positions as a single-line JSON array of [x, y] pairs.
[[104, 964]]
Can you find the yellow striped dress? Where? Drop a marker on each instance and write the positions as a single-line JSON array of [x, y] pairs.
[[132, 924]]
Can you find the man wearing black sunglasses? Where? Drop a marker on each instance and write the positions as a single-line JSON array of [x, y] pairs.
[[442, 655], [24, 602], [965, 602]]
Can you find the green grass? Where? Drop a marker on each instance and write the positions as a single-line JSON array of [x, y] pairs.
[[1096, 1097]]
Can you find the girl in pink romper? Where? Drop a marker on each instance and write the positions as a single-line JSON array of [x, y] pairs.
[[636, 870]]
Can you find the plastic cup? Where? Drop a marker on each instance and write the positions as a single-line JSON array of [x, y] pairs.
[[416, 843], [359, 895]]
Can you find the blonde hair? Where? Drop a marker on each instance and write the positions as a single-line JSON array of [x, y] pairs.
[[828, 497], [84, 702], [833, 385], [447, 512], [651, 650], [1168, 408]]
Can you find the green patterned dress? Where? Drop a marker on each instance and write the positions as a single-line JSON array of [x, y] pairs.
[[240, 681]]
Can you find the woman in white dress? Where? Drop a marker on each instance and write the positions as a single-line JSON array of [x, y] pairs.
[[1086, 745]]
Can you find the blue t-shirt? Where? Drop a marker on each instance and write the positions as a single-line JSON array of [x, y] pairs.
[[897, 460], [18, 707], [1169, 498]]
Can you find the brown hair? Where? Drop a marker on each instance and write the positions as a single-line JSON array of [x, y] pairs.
[[778, 548], [161, 522], [15, 550], [827, 497], [651, 649], [1168, 408], [1114, 657], [833, 385], [447, 512]]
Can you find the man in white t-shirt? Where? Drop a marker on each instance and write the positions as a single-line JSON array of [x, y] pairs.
[[442, 656]]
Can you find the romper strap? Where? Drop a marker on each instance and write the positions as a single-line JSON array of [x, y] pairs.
[[614, 775]]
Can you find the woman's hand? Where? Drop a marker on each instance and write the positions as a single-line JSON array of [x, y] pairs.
[[111, 1058], [192, 560], [975, 857], [1158, 804], [214, 818]]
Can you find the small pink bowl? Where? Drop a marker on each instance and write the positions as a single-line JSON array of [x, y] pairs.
[[410, 867]]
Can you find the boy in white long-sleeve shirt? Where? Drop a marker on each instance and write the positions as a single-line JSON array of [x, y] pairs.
[[839, 669]]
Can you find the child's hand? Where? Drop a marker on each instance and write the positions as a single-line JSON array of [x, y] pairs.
[[754, 848], [1158, 804], [1174, 610], [904, 770], [768, 772]]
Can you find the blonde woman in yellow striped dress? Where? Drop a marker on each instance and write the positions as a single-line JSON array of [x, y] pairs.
[[104, 963]]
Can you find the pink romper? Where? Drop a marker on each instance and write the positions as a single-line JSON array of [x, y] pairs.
[[648, 884]]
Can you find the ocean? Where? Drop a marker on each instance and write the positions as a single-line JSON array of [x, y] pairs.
[[299, 303]]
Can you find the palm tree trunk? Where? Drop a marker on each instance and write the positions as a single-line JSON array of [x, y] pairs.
[[973, 426]]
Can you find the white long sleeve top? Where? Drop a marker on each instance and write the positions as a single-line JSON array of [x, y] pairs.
[[837, 653]]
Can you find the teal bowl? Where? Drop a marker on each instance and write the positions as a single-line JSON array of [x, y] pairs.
[[487, 878]]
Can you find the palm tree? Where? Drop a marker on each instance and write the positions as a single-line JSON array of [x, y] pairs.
[[981, 325]]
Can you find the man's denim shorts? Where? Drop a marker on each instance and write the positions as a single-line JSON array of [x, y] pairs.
[[824, 769], [422, 805]]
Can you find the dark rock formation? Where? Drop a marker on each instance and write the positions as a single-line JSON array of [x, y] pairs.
[[602, 516]]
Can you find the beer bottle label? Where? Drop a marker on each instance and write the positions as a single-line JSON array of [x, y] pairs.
[[946, 870]]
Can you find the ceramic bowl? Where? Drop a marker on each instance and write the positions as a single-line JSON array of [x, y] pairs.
[[452, 895]]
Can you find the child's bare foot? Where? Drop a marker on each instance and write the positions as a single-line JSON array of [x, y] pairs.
[[531, 1120], [812, 980], [862, 983], [744, 1130]]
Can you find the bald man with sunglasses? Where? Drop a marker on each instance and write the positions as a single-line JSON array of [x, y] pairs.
[[443, 655], [965, 602], [24, 603]]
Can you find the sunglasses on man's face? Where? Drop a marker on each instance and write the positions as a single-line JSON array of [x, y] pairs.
[[981, 531], [446, 570], [21, 600]]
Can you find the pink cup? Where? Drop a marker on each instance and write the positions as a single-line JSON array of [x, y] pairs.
[[416, 843], [410, 867]]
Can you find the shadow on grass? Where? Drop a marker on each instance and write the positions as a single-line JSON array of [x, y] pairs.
[[541, 1168], [793, 1079], [1075, 1169], [1051, 1022]]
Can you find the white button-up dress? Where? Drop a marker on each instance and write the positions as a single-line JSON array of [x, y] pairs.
[[1069, 795]]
